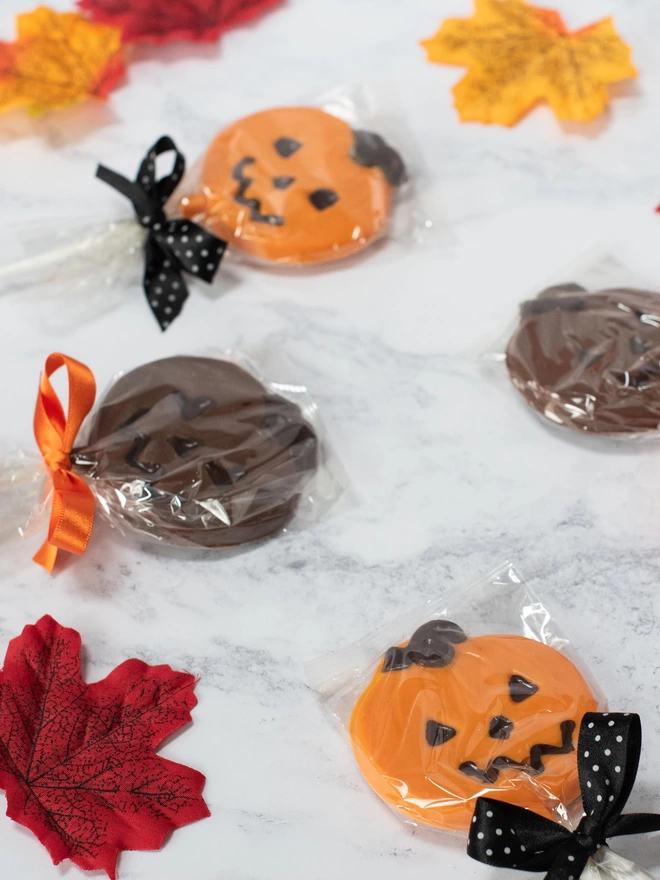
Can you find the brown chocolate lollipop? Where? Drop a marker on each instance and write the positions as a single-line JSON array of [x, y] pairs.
[[195, 451], [590, 361]]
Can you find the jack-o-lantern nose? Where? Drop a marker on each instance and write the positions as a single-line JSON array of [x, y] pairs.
[[500, 727], [283, 182]]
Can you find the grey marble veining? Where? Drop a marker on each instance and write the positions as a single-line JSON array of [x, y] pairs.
[[450, 473]]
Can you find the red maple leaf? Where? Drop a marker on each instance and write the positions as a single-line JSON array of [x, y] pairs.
[[77, 761], [152, 21]]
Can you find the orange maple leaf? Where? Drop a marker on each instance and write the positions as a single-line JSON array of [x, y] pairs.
[[58, 58], [519, 55]]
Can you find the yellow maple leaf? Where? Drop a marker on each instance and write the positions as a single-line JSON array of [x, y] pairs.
[[519, 55], [58, 58]]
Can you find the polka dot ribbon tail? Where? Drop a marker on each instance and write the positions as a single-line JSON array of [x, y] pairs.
[[172, 246], [508, 836]]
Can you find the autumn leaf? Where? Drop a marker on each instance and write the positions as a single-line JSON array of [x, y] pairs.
[[154, 21], [519, 55], [77, 761], [59, 58]]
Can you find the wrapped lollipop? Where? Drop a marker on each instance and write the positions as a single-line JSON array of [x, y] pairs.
[[194, 452], [297, 186]]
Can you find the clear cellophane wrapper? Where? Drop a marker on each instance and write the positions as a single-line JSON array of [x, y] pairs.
[[431, 739], [347, 176], [67, 272], [196, 452], [608, 865], [584, 351]]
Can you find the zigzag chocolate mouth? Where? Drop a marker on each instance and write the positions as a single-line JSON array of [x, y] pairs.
[[253, 204], [533, 766]]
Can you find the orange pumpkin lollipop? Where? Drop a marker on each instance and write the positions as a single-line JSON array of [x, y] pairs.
[[296, 185], [449, 718]]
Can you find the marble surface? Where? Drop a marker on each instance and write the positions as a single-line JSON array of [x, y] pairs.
[[450, 474]]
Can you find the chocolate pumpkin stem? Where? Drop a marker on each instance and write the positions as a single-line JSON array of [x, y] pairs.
[[432, 646], [371, 151]]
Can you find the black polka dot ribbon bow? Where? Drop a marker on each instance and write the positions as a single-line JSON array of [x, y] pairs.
[[172, 246], [508, 836]]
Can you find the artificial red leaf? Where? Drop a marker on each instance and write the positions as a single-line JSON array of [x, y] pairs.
[[77, 761], [152, 21]]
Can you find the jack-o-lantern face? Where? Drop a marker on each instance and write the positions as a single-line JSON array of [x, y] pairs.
[[296, 185], [447, 719], [197, 452]]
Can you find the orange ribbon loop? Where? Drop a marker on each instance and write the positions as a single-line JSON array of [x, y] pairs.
[[72, 513]]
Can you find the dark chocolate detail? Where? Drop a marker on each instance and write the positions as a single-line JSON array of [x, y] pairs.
[[520, 689], [638, 346], [641, 379], [133, 418], [489, 775], [590, 358], [220, 475], [183, 445], [254, 204], [283, 182], [371, 151], [323, 198], [287, 146], [193, 407], [430, 646], [438, 734], [500, 727], [139, 445], [534, 766]]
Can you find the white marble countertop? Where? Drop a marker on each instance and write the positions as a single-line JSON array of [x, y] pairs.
[[450, 473]]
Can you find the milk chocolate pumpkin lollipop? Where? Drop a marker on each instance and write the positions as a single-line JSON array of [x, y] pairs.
[[590, 361], [449, 718], [196, 452], [296, 185]]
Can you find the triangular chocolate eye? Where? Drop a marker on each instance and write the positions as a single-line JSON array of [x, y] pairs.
[[438, 734], [139, 445], [287, 146], [520, 689]]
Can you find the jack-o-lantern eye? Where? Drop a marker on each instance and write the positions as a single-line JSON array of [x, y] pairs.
[[438, 734], [500, 727], [287, 146], [520, 689], [139, 445], [323, 198]]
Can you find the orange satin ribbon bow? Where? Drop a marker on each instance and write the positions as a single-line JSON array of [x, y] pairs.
[[72, 513]]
